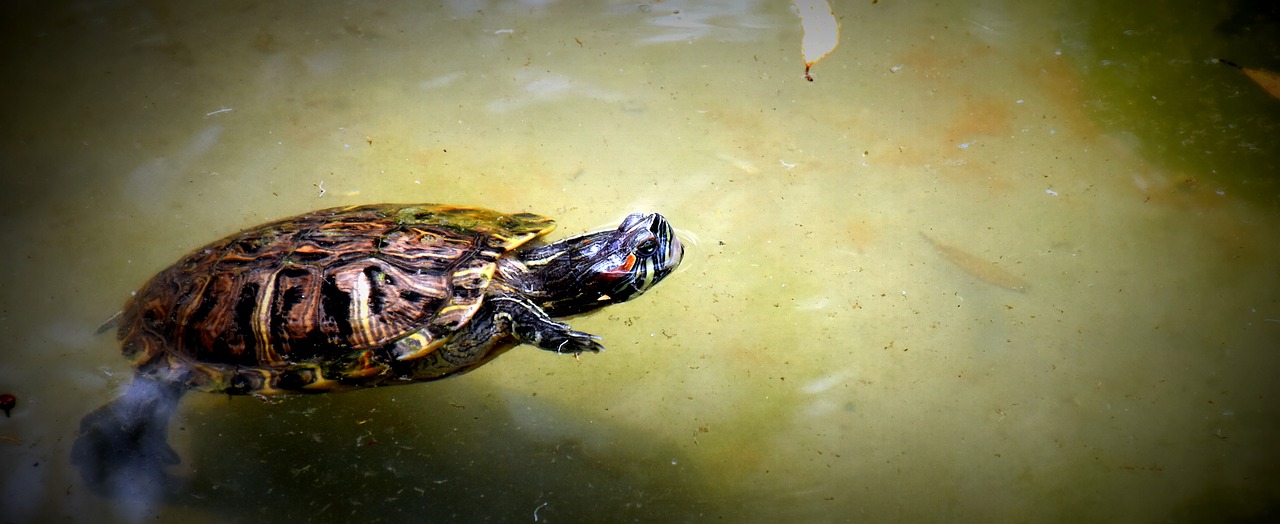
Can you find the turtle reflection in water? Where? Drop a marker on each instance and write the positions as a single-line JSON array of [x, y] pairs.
[[356, 297]]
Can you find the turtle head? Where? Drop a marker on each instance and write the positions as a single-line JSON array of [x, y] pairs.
[[590, 271]]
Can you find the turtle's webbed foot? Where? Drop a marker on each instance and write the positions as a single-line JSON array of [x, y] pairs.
[[110, 443], [557, 337], [122, 446], [572, 342]]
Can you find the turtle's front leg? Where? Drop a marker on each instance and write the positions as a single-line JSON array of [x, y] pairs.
[[501, 320], [529, 324]]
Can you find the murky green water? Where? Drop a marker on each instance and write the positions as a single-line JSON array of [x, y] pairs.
[[1000, 261]]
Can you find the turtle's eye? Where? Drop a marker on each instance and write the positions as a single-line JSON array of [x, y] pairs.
[[647, 248]]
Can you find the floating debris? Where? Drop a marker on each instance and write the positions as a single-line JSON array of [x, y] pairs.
[[7, 403], [1265, 79], [821, 31], [980, 268]]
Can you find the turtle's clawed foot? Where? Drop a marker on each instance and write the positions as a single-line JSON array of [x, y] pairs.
[[576, 343], [531, 325]]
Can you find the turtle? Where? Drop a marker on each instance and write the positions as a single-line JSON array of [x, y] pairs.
[[356, 297]]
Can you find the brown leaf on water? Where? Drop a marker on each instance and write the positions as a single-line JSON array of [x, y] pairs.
[[1266, 79], [978, 267]]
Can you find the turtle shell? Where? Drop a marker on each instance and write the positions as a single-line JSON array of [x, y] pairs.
[[330, 286]]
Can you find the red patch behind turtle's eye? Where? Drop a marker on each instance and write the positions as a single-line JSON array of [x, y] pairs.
[[624, 267]]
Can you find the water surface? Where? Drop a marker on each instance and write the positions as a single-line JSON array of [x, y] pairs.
[[1000, 261]]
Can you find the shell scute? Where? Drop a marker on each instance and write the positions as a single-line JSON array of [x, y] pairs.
[[318, 297]]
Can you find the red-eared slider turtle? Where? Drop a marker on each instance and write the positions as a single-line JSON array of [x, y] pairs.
[[357, 297]]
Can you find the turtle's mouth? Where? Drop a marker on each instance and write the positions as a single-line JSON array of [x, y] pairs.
[[664, 260], [674, 252]]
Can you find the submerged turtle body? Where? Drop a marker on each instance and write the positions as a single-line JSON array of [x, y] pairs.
[[357, 297]]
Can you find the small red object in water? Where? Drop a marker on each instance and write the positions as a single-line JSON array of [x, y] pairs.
[[7, 402]]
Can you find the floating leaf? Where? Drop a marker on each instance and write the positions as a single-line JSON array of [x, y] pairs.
[[981, 268], [1266, 79], [821, 31]]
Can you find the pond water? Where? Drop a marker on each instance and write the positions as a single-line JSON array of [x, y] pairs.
[[998, 261]]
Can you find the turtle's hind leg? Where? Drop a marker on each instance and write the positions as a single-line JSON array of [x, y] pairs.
[[122, 447]]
